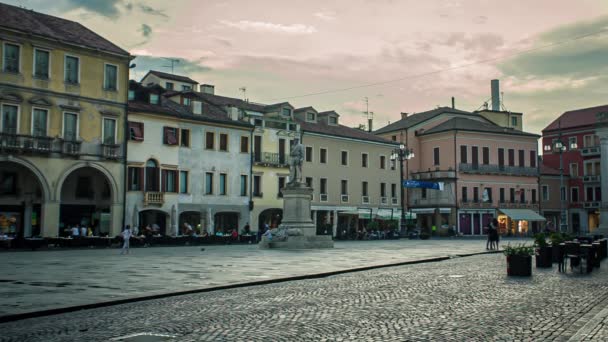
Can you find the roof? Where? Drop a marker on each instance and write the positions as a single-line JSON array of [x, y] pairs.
[[65, 31], [417, 118], [341, 131], [167, 76], [577, 118], [329, 112], [472, 125]]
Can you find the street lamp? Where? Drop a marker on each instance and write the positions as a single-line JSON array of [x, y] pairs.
[[558, 147], [400, 154]]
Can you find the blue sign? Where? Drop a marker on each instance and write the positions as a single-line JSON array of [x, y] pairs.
[[424, 185]]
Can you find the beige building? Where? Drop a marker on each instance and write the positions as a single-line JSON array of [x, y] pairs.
[[63, 96], [350, 172]]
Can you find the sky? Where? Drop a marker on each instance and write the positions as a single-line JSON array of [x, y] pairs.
[[403, 56]]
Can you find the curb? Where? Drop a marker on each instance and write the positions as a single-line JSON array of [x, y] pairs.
[[57, 311]]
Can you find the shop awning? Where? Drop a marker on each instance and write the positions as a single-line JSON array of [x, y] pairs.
[[522, 214]]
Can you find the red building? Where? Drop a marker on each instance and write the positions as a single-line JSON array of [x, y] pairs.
[[581, 195]]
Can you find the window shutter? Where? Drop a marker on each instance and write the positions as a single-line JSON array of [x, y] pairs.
[[130, 172], [141, 179], [176, 177], [164, 185]]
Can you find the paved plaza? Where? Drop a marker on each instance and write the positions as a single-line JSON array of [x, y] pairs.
[[42, 280], [461, 299]]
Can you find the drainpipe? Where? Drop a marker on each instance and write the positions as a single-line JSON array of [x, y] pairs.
[[456, 180], [125, 135]]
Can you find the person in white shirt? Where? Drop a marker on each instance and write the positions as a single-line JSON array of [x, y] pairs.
[[75, 231], [268, 235], [126, 236], [83, 231]]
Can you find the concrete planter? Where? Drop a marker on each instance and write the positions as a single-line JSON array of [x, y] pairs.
[[519, 265]]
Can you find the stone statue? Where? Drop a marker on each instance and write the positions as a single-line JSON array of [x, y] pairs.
[[295, 164]]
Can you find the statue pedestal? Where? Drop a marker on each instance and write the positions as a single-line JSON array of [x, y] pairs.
[[297, 230]]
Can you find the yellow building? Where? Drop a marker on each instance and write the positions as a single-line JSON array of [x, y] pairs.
[[63, 97]]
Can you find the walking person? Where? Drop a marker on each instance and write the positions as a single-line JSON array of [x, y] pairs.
[[489, 241], [495, 235], [126, 236]]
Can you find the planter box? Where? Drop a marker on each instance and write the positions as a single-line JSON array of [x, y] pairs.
[[519, 265], [544, 257]]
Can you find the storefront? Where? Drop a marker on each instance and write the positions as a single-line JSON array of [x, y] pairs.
[[475, 221], [517, 222]]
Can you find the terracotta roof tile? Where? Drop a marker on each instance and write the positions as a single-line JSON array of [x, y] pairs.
[[472, 125], [173, 77], [417, 118], [576, 118]]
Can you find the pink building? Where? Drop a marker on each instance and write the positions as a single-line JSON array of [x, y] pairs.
[[487, 163], [582, 194]]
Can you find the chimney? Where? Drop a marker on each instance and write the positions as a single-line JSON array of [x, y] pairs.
[[495, 95], [403, 115], [453, 103], [369, 125], [208, 89]]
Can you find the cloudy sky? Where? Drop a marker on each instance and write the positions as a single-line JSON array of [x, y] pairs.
[[550, 55]]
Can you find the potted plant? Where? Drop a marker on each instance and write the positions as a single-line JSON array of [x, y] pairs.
[[519, 260], [556, 238], [544, 257]]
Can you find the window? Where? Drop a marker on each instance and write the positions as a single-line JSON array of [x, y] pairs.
[[286, 112], [186, 87], [209, 140], [344, 187], [502, 195], [244, 144], [183, 182], [545, 192], [393, 190], [333, 120], [223, 142], [39, 122], [589, 191], [208, 183], [512, 195], [41, 64], [475, 194], [257, 180], [323, 186], [364, 160], [70, 126], [532, 158], [533, 196], [521, 158], [154, 98], [9, 119], [309, 182], [382, 162], [344, 158], [131, 95], [475, 156], [436, 156], [223, 185], [574, 194], [12, 54], [186, 101], [169, 180], [169, 85], [501, 157], [110, 77], [8, 183], [463, 154], [323, 157], [423, 193], [136, 131], [465, 194], [134, 178], [563, 193], [170, 135], [72, 65], [308, 154], [511, 157], [487, 195], [152, 175], [310, 117], [243, 191], [522, 196], [364, 190], [514, 121], [485, 155], [197, 107], [382, 189], [185, 138], [281, 186], [572, 144], [394, 138], [574, 170]]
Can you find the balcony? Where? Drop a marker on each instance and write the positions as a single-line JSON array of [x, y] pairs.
[[434, 175], [481, 169], [591, 179], [365, 199], [475, 204], [271, 159], [590, 151], [383, 200], [344, 198], [154, 198], [323, 198], [591, 205], [110, 151], [25, 143], [71, 148], [395, 201]]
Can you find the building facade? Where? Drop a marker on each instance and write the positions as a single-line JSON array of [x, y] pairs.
[[188, 164], [581, 194], [63, 97]]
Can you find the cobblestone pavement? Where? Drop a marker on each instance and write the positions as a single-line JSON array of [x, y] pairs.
[[31, 281], [462, 299]]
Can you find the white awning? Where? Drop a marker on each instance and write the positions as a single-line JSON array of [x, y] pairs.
[[522, 214]]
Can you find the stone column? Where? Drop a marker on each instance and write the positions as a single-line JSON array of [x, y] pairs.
[[49, 222], [27, 219], [334, 227], [602, 133]]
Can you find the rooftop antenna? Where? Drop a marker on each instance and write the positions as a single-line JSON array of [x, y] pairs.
[[369, 115], [173, 61], [243, 89]]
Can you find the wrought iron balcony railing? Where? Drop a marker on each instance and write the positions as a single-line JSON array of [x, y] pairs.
[[491, 169], [271, 159]]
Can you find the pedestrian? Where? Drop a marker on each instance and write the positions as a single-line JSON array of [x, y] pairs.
[[83, 231], [126, 236], [495, 235], [489, 241], [268, 235], [75, 231]]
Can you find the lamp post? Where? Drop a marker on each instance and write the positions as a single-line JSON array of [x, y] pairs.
[[400, 154], [559, 147]]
